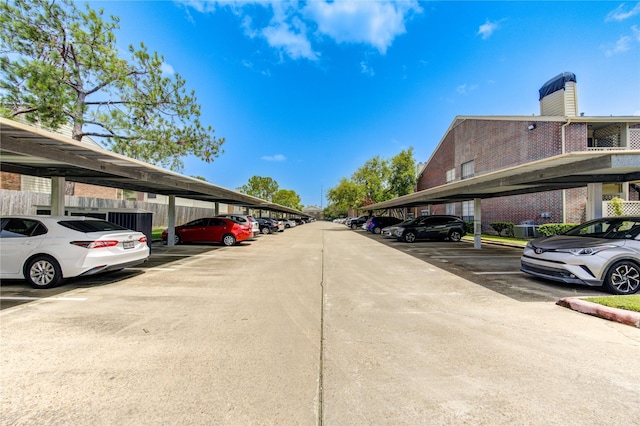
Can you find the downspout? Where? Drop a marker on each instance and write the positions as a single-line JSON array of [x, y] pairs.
[[564, 191]]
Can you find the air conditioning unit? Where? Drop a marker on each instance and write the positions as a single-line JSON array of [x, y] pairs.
[[526, 231]]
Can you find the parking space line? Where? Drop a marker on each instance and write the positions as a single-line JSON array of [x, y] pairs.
[[151, 269], [498, 273], [63, 299]]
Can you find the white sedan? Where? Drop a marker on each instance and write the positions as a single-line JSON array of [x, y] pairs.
[[45, 249]]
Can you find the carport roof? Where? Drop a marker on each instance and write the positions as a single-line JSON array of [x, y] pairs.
[[572, 170], [31, 151]]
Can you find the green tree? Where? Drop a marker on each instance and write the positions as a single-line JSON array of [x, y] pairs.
[[373, 178], [402, 174], [260, 187], [332, 211], [60, 65], [287, 198], [347, 194]]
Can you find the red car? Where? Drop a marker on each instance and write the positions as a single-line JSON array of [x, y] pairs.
[[211, 230]]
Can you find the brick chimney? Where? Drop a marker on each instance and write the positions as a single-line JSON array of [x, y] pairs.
[[559, 96]]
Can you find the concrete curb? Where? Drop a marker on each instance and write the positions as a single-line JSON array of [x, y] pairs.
[[612, 314]]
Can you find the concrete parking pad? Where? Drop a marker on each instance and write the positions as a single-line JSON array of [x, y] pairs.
[[316, 325]]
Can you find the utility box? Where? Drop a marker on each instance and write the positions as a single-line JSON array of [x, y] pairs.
[[138, 220], [526, 231]]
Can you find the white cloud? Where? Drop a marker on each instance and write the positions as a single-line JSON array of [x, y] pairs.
[[167, 69], [620, 14], [366, 69], [294, 25], [289, 39], [464, 89], [488, 28], [622, 45], [366, 22], [276, 157]]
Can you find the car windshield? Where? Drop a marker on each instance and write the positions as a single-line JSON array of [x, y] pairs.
[[91, 225], [611, 228]]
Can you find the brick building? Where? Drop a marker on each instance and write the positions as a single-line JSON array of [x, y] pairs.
[[477, 145]]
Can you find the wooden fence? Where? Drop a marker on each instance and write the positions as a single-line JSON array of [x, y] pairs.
[[22, 203]]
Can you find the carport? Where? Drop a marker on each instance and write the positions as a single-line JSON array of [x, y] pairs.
[[28, 150], [571, 170]]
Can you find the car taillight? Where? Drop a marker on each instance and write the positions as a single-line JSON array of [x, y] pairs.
[[143, 239], [95, 244]]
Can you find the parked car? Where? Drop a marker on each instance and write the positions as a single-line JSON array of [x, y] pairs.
[[390, 231], [289, 223], [602, 252], [211, 230], [357, 222], [46, 249], [280, 224], [376, 223], [432, 227], [267, 225], [243, 220], [298, 221]]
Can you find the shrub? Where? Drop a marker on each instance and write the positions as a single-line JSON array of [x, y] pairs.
[[616, 205], [555, 228], [503, 226], [470, 229]]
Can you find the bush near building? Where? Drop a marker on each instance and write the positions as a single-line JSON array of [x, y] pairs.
[[555, 228], [499, 227]]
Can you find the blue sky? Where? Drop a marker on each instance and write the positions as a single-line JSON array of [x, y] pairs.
[[306, 92]]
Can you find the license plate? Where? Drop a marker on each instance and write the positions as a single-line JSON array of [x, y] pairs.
[[128, 244]]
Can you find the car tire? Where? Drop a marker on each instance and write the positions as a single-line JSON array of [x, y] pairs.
[[409, 237], [623, 278], [455, 235], [43, 272], [176, 240], [228, 240], [266, 230], [377, 230], [354, 226]]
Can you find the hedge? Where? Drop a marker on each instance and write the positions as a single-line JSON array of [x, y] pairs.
[[503, 226], [555, 228]]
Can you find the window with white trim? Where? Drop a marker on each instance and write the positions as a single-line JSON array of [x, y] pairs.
[[451, 175], [468, 169], [450, 208], [467, 210]]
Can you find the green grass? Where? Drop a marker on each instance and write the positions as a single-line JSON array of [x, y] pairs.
[[156, 233], [630, 303]]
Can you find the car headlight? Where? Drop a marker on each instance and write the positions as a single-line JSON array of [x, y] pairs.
[[586, 251]]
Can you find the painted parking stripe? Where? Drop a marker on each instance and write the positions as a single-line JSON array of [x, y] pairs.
[[498, 273], [64, 299], [151, 269]]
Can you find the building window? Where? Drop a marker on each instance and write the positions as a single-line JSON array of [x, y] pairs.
[[152, 195], [467, 210], [468, 169], [450, 208], [451, 175]]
